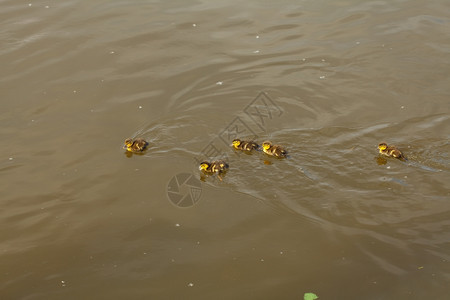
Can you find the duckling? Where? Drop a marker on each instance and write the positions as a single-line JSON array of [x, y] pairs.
[[244, 145], [218, 166], [391, 151], [135, 146], [273, 150]]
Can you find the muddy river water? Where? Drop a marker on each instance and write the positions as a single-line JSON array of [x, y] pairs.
[[82, 219]]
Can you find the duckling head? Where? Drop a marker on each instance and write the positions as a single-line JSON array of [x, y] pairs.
[[128, 142], [382, 146], [266, 145], [236, 143], [204, 166]]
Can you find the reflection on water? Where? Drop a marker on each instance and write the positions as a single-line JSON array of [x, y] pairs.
[[329, 81]]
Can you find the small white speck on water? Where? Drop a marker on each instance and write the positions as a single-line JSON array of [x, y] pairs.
[[388, 167], [303, 59], [29, 4], [219, 82], [47, 6], [262, 259], [63, 283], [136, 170], [194, 25], [357, 43], [92, 110], [198, 243], [11, 158], [257, 36], [140, 106], [281, 252], [177, 225], [111, 52], [402, 107], [406, 176], [145, 253], [75, 91], [323, 59], [190, 284], [322, 77], [256, 51]]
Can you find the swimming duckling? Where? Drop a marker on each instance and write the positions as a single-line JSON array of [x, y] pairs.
[[244, 145], [135, 146], [218, 167], [273, 150], [391, 151]]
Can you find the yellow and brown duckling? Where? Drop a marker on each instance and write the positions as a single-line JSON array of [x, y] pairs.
[[210, 168], [244, 145], [135, 145], [273, 150], [390, 151], [218, 166]]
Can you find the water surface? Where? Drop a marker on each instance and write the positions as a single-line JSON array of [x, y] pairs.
[[80, 218]]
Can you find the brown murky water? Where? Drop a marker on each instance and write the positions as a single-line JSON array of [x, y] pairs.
[[81, 219]]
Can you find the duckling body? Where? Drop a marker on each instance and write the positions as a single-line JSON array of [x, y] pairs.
[[136, 145], [274, 150], [390, 151], [218, 166], [244, 145]]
